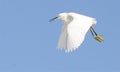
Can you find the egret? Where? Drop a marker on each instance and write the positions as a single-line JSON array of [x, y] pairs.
[[75, 26]]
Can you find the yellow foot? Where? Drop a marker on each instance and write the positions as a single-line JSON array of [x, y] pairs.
[[99, 38]]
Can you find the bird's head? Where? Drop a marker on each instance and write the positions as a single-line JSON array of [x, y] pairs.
[[62, 16]]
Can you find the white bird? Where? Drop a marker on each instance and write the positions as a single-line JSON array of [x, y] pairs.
[[75, 27]]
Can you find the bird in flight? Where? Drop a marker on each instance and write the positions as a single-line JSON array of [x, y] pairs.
[[75, 26]]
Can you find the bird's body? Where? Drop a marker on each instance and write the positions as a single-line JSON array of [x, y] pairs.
[[75, 26]]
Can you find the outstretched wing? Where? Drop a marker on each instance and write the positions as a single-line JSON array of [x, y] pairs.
[[62, 43], [76, 30]]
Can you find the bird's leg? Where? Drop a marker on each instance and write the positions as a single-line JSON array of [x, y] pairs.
[[92, 32], [97, 37]]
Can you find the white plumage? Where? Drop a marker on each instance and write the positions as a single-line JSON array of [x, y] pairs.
[[75, 26]]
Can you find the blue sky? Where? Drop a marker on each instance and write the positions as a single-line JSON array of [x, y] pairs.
[[28, 41]]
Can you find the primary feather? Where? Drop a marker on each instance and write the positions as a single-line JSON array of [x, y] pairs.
[[75, 27]]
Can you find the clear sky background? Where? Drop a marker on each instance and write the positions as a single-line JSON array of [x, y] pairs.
[[28, 40]]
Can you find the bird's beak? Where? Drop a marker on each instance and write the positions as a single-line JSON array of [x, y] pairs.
[[53, 19]]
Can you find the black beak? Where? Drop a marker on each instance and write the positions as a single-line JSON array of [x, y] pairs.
[[53, 19]]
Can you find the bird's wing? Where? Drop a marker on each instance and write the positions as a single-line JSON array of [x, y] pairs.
[[63, 37], [62, 43], [76, 31]]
